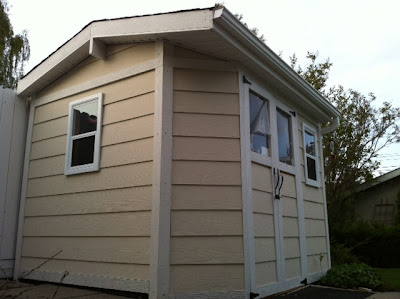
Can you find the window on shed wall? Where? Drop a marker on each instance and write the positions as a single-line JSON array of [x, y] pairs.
[[260, 132], [310, 156], [284, 137], [84, 134]]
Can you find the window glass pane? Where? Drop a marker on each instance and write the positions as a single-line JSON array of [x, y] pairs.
[[85, 118], [311, 169], [284, 137], [259, 124], [310, 143], [82, 151]]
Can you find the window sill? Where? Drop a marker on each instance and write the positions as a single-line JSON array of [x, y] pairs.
[[312, 183], [81, 169]]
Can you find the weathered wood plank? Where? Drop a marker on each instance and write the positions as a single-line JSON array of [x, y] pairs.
[[206, 250], [206, 102], [108, 178], [204, 80], [206, 173], [206, 223], [104, 201], [206, 149], [206, 125], [90, 225], [206, 198], [131, 250]]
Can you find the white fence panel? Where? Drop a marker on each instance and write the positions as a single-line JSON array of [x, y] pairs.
[[13, 120]]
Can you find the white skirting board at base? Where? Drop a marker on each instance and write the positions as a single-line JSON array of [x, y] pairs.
[[209, 295], [120, 284]]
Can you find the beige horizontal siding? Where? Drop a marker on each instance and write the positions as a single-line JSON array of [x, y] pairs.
[[87, 268], [206, 102], [207, 250], [261, 177], [266, 273], [264, 249], [85, 72], [104, 201], [130, 108], [289, 185], [108, 224], [132, 250], [315, 228], [206, 278], [114, 155], [206, 223], [263, 202], [317, 263], [292, 247], [289, 206], [206, 197], [313, 194], [293, 268], [206, 125], [133, 129], [123, 89], [314, 210], [290, 227], [206, 149], [316, 245], [206, 173], [108, 178], [263, 225], [52, 128], [203, 80], [49, 147]]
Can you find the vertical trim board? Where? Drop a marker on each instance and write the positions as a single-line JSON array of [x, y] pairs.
[[162, 165], [247, 199]]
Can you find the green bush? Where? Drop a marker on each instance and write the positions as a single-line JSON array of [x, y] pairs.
[[352, 276], [371, 243]]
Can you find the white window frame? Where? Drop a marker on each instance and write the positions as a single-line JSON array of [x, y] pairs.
[[290, 168], [308, 181], [95, 166]]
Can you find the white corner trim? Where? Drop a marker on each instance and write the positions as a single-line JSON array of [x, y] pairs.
[[137, 69], [300, 201], [247, 199], [324, 195], [21, 215], [162, 166], [94, 281]]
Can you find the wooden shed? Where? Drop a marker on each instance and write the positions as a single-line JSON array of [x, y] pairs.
[[176, 155]]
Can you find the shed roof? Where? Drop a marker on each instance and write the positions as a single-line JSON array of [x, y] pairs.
[[213, 31], [379, 180]]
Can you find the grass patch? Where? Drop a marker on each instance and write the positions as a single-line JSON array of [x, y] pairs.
[[391, 278]]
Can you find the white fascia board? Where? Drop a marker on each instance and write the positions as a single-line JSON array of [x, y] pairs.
[[62, 56], [225, 19], [70, 53], [154, 24]]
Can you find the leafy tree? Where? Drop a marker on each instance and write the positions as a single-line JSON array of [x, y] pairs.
[[364, 130], [14, 50]]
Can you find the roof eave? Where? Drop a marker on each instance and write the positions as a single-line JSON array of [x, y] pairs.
[[223, 19]]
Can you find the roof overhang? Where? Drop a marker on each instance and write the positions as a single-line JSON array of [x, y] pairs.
[[211, 31], [379, 180]]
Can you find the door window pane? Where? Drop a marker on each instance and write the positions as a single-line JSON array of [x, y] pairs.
[[85, 118], [259, 125], [310, 143], [284, 137]]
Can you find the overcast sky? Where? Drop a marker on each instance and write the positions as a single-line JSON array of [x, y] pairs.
[[361, 38]]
